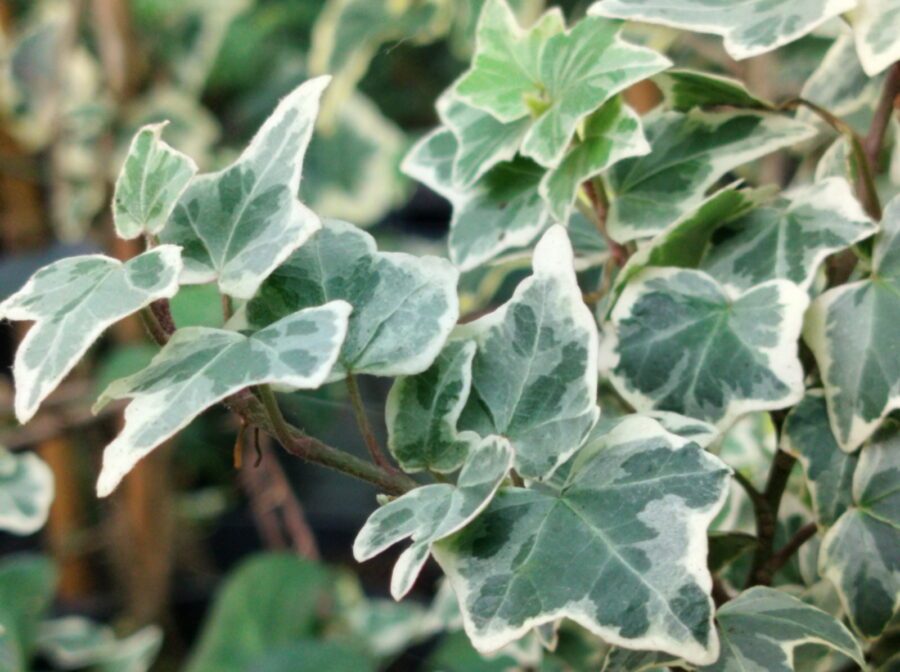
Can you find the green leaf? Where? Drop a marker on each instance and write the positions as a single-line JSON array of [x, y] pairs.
[[829, 471], [422, 411], [27, 584], [683, 90], [690, 153], [200, 366], [851, 330], [534, 376], [750, 27], [433, 512], [761, 628], [611, 134], [724, 355], [404, 307], [312, 655], [430, 161], [620, 549], [791, 239], [269, 602], [74, 642], [860, 554], [559, 77], [239, 224], [874, 25], [72, 302], [26, 491], [482, 141], [152, 180]]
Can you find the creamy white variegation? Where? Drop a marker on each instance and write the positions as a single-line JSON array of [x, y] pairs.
[[690, 152], [678, 341], [620, 548], [200, 366], [761, 628], [237, 225], [72, 302], [422, 411], [153, 178], [875, 26], [433, 512], [404, 307], [534, 376], [26, 491], [557, 77], [851, 330], [750, 27], [790, 239], [860, 554]]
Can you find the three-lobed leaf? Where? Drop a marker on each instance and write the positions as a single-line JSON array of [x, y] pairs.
[[237, 225], [404, 307], [620, 548], [433, 512], [200, 366], [72, 302], [679, 341]]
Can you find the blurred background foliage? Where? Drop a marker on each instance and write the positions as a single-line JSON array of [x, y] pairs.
[[250, 567]]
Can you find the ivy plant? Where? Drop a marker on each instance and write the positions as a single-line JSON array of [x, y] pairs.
[[674, 432]]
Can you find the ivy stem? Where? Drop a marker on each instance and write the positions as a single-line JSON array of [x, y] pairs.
[[868, 194], [299, 444], [780, 558], [154, 328], [767, 518], [596, 195], [362, 421], [878, 128]]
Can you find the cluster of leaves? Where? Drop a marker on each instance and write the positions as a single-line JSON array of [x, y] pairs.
[[544, 511]]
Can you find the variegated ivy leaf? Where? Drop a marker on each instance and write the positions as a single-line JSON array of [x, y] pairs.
[[760, 629], [684, 90], [26, 491], [750, 27], [860, 554], [620, 548], [501, 211], [791, 239], [239, 224], [534, 376], [422, 412], [404, 307], [557, 77], [851, 330], [72, 302], [73, 642], [152, 180], [611, 134], [482, 141], [690, 153], [725, 355], [433, 512], [200, 366], [875, 27], [829, 471]]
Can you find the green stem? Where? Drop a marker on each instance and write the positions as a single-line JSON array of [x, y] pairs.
[[865, 187], [265, 414], [362, 421]]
